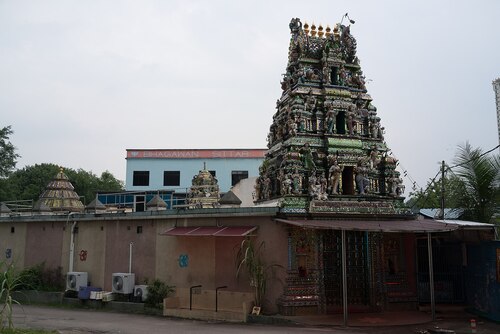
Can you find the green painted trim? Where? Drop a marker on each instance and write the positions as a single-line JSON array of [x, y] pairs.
[[345, 143]]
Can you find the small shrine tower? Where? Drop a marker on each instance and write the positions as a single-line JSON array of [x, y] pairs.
[[60, 195], [204, 192]]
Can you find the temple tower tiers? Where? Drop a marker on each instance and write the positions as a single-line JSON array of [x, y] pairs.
[[60, 196], [326, 143]]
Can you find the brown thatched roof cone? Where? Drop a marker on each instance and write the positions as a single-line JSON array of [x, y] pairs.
[[60, 195]]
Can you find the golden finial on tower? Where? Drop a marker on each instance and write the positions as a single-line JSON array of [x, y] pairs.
[[313, 30], [320, 31], [328, 31], [306, 28]]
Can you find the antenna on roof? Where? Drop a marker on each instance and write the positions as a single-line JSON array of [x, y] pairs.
[[346, 15]]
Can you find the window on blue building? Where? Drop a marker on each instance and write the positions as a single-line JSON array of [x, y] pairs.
[[172, 178], [141, 178], [237, 175]]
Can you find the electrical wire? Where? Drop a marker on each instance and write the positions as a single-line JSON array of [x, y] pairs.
[[475, 158], [448, 168]]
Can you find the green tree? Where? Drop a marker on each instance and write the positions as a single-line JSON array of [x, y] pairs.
[[480, 174], [8, 153], [431, 196], [29, 183]]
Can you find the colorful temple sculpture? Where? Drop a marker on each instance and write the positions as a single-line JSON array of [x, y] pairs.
[[204, 192], [330, 170], [326, 143], [60, 195]]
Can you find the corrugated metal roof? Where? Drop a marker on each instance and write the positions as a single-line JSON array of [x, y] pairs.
[[449, 213], [210, 231], [467, 224], [389, 226]]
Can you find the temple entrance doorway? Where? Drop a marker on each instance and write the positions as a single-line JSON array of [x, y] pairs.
[[348, 180], [340, 123], [361, 254]]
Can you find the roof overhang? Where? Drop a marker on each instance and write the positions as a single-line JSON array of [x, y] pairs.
[[210, 231], [468, 225], [386, 226]]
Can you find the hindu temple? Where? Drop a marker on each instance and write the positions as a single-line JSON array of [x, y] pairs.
[[329, 168]]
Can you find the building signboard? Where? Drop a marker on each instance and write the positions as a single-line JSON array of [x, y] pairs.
[[196, 154]]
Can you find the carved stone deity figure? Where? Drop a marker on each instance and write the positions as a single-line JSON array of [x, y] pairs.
[[374, 160], [295, 25], [334, 174], [396, 186], [326, 74], [258, 188], [326, 69], [307, 157], [361, 178], [266, 188], [297, 182], [375, 127], [292, 126], [301, 124], [343, 78], [323, 183], [310, 101], [351, 122], [349, 43], [286, 185], [312, 185], [331, 117], [381, 132]]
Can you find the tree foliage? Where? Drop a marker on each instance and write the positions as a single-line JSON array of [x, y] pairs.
[[472, 184], [157, 291], [480, 174], [251, 258], [29, 182], [8, 153], [430, 197], [9, 282]]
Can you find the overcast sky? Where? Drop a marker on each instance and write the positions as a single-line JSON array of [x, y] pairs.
[[82, 81]]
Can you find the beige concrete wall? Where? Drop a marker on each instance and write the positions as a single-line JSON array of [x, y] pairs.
[[212, 260], [44, 244], [119, 235], [90, 241], [16, 242]]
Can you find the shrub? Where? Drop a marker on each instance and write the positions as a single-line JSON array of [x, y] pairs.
[[42, 279], [157, 291]]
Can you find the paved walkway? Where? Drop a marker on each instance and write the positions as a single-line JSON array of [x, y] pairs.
[[85, 321]]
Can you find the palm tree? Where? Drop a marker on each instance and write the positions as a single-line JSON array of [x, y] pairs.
[[480, 174]]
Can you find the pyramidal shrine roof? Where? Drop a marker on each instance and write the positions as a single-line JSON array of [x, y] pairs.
[[60, 195]]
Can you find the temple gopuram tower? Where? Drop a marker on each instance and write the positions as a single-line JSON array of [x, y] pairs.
[[329, 169], [326, 144]]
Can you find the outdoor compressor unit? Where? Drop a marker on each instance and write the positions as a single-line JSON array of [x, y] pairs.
[[141, 291], [123, 283], [74, 280]]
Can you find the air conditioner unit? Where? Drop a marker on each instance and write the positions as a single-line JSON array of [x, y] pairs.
[[141, 291], [74, 280], [123, 283]]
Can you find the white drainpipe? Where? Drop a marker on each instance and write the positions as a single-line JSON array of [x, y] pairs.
[[130, 258], [72, 243]]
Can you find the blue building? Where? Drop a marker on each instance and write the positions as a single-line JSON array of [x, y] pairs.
[[173, 169]]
